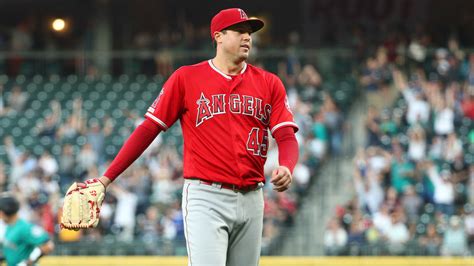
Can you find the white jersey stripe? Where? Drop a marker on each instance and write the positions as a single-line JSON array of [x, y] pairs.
[[244, 68], [154, 118], [282, 125], [222, 73]]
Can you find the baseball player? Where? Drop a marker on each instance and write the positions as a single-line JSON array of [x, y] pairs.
[[227, 109], [23, 243]]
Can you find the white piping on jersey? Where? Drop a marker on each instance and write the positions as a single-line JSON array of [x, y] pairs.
[[222, 73], [283, 124], [244, 68], [154, 118]]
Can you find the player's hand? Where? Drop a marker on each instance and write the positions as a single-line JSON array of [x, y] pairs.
[[25, 263], [281, 178]]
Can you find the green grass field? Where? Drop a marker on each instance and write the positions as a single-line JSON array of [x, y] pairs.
[[265, 261]]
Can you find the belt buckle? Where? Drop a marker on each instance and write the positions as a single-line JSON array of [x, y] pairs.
[[243, 189]]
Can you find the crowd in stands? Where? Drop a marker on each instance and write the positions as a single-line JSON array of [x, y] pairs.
[[414, 180], [70, 142]]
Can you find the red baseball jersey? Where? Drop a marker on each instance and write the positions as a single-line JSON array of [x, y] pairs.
[[224, 119]]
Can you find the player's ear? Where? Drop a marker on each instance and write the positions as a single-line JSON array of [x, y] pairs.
[[218, 36]]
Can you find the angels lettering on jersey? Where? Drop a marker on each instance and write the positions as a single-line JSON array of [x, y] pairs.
[[218, 104]]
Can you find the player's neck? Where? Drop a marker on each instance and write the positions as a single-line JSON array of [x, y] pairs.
[[228, 66], [10, 219]]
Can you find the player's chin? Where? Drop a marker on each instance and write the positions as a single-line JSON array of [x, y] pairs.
[[244, 56]]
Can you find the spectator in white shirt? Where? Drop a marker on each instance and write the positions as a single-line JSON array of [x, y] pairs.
[[443, 117], [443, 189], [417, 144], [418, 108], [335, 238], [125, 211], [48, 164], [302, 175], [382, 220], [455, 239], [397, 235], [378, 159], [369, 189], [169, 227]]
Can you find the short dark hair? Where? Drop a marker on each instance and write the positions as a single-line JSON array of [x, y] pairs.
[[9, 205]]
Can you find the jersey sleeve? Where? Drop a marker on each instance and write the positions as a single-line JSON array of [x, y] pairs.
[[168, 105], [281, 115], [35, 235]]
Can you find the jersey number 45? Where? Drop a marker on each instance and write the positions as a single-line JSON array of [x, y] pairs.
[[257, 142]]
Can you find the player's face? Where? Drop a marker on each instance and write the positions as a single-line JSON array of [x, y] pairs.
[[237, 41]]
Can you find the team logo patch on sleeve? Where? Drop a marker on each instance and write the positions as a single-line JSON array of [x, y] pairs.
[[37, 231], [156, 101]]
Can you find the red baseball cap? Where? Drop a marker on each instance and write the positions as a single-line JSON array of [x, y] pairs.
[[228, 17]]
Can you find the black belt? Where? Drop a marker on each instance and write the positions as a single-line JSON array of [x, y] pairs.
[[231, 186]]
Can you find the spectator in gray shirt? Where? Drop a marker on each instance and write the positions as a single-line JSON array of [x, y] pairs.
[[455, 239]]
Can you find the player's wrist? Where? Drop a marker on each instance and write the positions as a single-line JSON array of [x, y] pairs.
[[105, 181], [34, 256], [286, 168]]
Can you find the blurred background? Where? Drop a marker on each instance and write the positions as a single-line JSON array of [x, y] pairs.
[[383, 93]]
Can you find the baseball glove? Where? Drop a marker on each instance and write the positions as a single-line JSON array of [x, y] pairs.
[[82, 204]]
